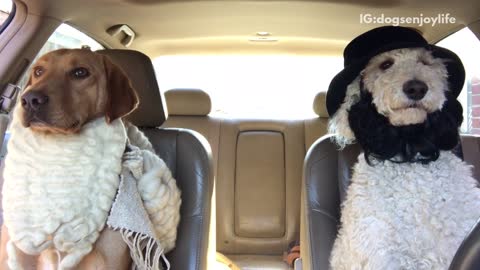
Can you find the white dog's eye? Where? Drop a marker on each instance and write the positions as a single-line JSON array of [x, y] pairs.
[[386, 64]]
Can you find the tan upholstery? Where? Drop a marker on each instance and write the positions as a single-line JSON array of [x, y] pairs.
[[259, 262], [283, 192], [224, 27], [258, 178], [317, 127], [188, 102], [319, 105], [257, 185], [258, 181]]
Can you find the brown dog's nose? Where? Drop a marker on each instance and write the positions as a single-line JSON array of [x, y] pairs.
[[33, 100], [415, 89]]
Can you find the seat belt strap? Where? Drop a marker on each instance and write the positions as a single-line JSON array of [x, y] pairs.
[[471, 153], [7, 102], [8, 98]]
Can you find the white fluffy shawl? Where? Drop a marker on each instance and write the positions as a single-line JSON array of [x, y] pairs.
[[59, 189], [147, 207], [406, 216]]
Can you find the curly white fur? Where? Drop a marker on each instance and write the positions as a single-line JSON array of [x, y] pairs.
[[338, 124], [59, 189], [406, 216], [386, 87]]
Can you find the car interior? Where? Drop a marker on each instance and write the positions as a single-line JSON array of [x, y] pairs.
[[232, 97]]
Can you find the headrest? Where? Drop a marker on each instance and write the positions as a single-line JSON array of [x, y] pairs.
[[151, 111], [188, 102], [320, 105]]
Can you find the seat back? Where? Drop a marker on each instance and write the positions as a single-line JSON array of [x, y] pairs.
[[258, 175], [186, 153], [258, 186], [318, 126], [326, 174], [189, 108]]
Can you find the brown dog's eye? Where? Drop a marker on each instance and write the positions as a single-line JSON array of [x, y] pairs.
[[80, 73], [386, 64], [38, 71]]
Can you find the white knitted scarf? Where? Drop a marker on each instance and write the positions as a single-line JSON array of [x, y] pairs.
[[59, 189]]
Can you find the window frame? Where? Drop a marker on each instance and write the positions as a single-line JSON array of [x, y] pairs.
[[9, 19], [469, 106], [105, 47], [23, 78]]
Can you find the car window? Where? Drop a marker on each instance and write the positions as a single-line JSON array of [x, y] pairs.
[[467, 46], [267, 86], [64, 36], [6, 7]]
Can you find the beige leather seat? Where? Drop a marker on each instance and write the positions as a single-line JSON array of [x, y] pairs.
[[189, 108], [258, 190], [186, 153], [258, 176], [317, 127]]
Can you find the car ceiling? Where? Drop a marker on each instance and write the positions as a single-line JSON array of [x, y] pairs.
[[165, 27]]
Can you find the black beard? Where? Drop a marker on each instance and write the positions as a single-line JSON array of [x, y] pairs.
[[383, 141]]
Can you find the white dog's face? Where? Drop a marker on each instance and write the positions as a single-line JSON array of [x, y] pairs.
[[406, 84]]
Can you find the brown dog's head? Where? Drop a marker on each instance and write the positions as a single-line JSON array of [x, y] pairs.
[[67, 88]]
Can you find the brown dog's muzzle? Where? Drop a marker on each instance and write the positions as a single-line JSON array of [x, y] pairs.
[[34, 101], [35, 107]]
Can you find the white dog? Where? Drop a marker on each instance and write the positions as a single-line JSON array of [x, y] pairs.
[[411, 201]]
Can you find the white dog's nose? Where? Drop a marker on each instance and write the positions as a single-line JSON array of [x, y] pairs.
[[415, 89]]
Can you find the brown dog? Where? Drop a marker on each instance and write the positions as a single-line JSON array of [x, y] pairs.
[[66, 89]]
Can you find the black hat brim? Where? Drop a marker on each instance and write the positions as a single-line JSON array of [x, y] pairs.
[[338, 86]]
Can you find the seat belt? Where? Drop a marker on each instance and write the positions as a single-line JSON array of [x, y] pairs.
[[471, 152], [7, 102]]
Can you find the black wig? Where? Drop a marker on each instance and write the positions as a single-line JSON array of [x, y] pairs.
[[412, 143]]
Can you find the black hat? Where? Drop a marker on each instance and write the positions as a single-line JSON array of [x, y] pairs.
[[383, 39]]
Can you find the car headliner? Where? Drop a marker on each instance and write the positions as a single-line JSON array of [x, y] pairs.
[[205, 27]]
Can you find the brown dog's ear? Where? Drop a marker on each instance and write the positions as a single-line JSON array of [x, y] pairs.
[[122, 99]]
